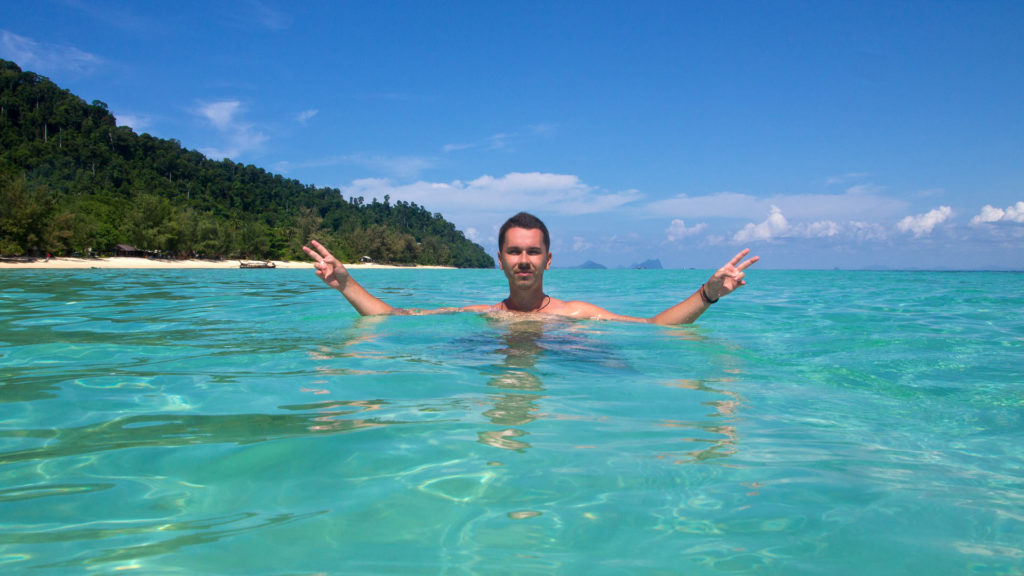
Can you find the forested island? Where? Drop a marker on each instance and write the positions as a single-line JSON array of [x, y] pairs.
[[72, 182]]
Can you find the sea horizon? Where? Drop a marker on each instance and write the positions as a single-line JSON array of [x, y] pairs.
[[69, 263]]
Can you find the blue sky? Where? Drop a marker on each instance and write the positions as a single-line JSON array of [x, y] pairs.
[[819, 134]]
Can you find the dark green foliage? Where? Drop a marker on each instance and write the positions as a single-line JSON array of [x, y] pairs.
[[72, 181]]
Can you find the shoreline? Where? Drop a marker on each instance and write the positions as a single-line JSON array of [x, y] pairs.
[[135, 263]]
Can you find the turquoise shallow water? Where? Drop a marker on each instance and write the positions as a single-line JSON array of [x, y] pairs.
[[247, 422]]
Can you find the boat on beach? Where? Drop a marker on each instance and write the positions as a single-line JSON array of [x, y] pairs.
[[255, 264]]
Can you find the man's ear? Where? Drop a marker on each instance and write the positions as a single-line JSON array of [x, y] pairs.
[[548, 265]]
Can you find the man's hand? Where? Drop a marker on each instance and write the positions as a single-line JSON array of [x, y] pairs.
[[729, 277], [328, 268]]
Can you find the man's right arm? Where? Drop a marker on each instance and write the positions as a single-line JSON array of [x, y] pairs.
[[335, 275]]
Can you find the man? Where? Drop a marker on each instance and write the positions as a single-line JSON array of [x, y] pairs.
[[523, 252]]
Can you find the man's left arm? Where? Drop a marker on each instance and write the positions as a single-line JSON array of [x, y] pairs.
[[723, 282]]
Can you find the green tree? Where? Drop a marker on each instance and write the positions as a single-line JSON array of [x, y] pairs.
[[26, 218], [73, 181]]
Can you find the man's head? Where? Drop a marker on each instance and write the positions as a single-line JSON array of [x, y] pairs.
[[523, 252], [527, 221]]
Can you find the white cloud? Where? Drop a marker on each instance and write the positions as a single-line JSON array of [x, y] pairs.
[[720, 205], [270, 17], [990, 214], [138, 123], [677, 230], [492, 142], [618, 243], [580, 244], [539, 192], [398, 166], [456, 147], [306, 115], [777, 226], [859, 202], [221, 114], [923, 224], [240, 137], [45, 58], [861, 190], [774, 226], [867, 231], [930, 192], [823, 229], [846, 178], [261, 14], [502, 139], [543, 129]]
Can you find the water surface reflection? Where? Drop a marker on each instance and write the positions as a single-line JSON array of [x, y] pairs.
[[518, 386]]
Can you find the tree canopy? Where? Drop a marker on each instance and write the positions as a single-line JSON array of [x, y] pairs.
[[73, 182]]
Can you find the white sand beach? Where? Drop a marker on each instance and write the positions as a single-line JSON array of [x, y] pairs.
[[127, 262]]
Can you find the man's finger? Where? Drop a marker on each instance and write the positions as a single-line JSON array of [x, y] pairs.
[[739, 256], [312, 254], [748, 263], [320, 248]]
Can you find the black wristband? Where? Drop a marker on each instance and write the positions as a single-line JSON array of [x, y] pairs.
[[704, 296]]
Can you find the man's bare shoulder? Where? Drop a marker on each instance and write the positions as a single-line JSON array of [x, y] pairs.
[[581, 309]]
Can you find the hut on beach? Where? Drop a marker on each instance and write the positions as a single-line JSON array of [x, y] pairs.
[[127, 250]]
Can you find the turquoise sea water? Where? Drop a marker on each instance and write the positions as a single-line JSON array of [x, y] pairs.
[[248, 422]]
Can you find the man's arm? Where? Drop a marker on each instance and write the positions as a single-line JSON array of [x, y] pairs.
[[721, 283], [335, 275]]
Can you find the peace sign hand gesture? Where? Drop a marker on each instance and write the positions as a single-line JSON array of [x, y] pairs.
[[729, 277], [328, 268]]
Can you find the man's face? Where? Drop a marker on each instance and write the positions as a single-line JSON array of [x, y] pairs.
[[524, 257]]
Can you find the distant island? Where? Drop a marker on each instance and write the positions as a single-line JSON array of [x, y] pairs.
[[654, 264], [73, 183]]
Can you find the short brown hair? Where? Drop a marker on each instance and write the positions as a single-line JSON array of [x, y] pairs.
[[527, 221]]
